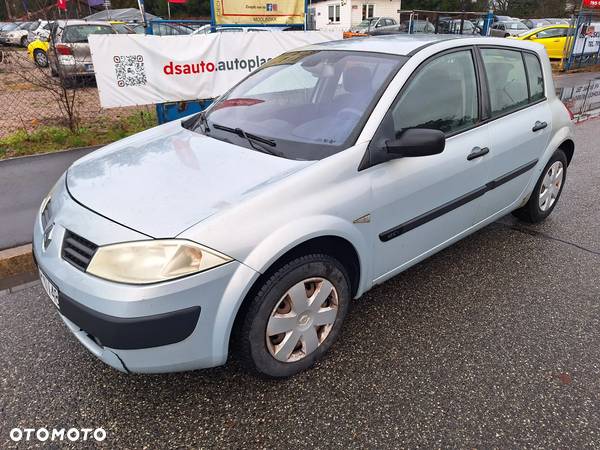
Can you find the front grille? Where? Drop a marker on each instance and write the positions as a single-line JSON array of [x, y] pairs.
[[77, 251]]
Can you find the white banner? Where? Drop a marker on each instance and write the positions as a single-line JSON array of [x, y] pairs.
[[136, 69], [588, 42]]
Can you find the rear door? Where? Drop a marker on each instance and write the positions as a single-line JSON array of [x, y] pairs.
[[520, 125], [554, 39]]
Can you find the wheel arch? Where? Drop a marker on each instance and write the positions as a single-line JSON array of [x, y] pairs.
[[335, 246], [568, 146]]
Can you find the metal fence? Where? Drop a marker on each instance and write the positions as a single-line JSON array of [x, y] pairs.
[[583, 43], [28, 104]]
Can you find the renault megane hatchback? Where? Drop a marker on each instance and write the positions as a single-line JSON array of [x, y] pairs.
[[247, 229]]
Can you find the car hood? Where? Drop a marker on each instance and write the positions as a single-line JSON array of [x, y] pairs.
[[164, 180]]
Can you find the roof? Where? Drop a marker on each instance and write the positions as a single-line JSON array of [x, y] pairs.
[[406, 45], [396, 44]]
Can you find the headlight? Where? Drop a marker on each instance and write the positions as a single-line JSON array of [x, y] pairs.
[[145, 262]]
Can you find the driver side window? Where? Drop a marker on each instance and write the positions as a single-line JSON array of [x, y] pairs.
[[443, 96]]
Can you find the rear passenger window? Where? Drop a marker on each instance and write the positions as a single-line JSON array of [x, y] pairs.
[[536, 78], [507, 80], [442, 96]]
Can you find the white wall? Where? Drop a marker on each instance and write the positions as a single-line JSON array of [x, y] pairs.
[[351, 12], [322, 15]]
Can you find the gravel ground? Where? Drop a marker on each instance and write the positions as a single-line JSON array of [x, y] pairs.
[[492, 343]]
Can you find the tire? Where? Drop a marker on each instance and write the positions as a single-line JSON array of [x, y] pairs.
[[24, 41], [40, 58], [256, 347], [536, 209]]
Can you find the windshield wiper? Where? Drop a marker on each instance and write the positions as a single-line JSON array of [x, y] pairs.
[[256, 142]]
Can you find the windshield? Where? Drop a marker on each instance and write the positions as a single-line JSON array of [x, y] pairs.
[[309, 104]]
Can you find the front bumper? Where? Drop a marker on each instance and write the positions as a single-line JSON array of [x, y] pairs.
[[177, 325]]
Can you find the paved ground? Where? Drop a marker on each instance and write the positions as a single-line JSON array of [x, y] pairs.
[[494, 342], [23, 183]]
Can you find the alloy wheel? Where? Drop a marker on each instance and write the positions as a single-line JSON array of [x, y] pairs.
[[41, 59], [302, 319], [551, 184]]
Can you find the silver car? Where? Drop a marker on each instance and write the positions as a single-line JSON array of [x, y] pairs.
[[506, 29], [249, 228], [71, 52]]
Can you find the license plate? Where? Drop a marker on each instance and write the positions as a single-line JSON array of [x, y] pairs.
[[89, 67], [50, 289]]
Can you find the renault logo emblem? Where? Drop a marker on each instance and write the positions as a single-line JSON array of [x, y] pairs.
[[47, 236]]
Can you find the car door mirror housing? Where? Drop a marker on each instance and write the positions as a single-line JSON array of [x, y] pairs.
[[416, 142]]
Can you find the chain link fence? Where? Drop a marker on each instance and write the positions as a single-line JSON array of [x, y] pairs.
[[28, 104]]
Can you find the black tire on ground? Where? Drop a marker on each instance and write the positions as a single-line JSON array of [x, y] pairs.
[[40, 58], [250, 341], [532, 212], [24, 41]]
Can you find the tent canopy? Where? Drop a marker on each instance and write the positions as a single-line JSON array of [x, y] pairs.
[[123, 15]]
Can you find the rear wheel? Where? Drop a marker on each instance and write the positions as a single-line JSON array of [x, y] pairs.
[[24, 41], [295, 317], [547, 191]]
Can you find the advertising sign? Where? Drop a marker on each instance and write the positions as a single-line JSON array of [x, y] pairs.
[[591, 4], [133, 69], [259, 12], [588, 39]]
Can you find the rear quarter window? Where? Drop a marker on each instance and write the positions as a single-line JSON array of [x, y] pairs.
[[536, 77]]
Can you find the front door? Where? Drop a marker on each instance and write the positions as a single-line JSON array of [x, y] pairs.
[[421, 203]]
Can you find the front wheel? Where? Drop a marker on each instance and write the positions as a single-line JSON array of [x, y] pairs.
[[295, 317], [547, 191]]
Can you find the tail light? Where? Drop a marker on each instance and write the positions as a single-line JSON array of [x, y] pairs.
[[62, 49]]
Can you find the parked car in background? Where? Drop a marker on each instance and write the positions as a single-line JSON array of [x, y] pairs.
[[555, 21], [506, 29], [553, 37], [38, 48], [535, 23], [5, 27], [368, 26], [72, 48], [18, 36], [416, 27], [163, 29], [382, 153], [453, 26]]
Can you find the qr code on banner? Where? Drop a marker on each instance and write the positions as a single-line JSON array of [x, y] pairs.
[[130, 70]]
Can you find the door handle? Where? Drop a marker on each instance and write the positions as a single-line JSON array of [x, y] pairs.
[[539, 126], [478, 152]]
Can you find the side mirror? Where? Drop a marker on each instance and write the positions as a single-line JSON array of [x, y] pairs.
[[416, 142]]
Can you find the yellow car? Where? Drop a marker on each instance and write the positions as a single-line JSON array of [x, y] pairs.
[[38, 51], [553, 37]]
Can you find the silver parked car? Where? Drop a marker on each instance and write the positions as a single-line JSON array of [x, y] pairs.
[[506, 29], [72, 50], [250, 227]]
